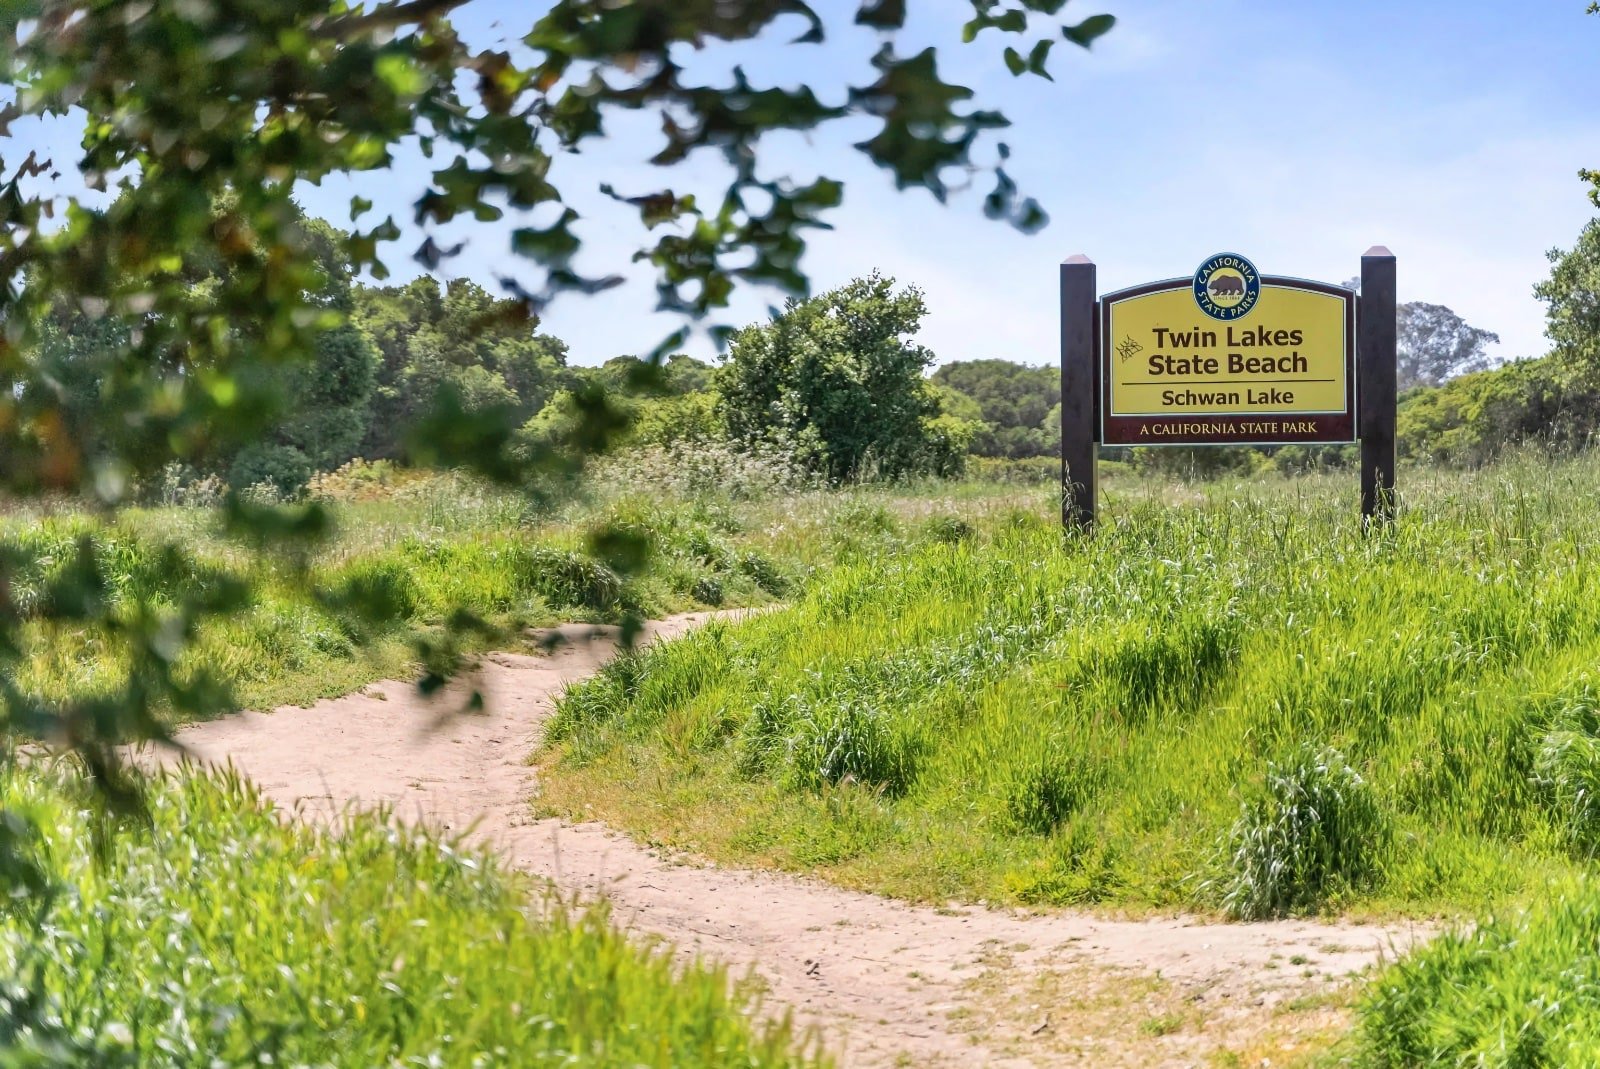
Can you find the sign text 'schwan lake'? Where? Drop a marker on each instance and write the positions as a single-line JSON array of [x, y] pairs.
[[1229, 356]]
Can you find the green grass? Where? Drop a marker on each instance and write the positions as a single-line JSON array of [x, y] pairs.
[[1230, 699], [220, 936], [1519, 991], [426, 549]]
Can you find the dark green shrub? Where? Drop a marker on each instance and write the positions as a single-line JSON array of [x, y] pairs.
[[760, 570], [283, 467], [708, 590]]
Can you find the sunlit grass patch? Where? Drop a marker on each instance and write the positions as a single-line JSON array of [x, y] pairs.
[[1149, 717], [1518, 989]]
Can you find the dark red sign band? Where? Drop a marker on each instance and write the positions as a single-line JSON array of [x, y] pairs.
[[1229, 430]]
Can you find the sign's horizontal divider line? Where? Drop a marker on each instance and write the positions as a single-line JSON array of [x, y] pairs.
[[1225, 382]]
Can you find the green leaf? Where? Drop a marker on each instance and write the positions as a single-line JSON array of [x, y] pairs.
[[1039, 56], [1085, 32], [400, 74], [882, 14]]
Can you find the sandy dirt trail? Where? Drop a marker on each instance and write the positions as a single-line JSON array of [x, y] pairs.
[[885, 983]]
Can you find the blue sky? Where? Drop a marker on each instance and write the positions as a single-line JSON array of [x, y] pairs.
[[1297, 133]]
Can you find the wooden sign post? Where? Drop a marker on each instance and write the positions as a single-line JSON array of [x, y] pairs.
[[1079, 392], [1378, 370], [1228, 356]]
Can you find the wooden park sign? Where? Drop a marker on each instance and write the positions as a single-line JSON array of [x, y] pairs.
[[1227, 356]]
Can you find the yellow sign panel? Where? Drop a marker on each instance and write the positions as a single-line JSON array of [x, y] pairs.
[[1228, 357]]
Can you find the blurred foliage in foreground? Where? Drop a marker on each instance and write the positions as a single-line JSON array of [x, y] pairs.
[[212, 291], [225, 327]]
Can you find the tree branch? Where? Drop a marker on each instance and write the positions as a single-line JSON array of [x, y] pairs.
[[411, 12]]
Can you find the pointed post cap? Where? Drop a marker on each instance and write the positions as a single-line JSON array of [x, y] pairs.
[[1077, 258], [1378, 251]]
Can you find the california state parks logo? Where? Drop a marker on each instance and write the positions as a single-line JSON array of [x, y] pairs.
[[1227, 286]]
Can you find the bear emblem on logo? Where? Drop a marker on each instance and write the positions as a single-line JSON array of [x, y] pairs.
[[1227, 286]]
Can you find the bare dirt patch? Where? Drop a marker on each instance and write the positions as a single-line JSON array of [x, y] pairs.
[[885, 983]]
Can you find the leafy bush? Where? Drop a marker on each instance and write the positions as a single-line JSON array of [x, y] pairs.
[[1314, 834], [283, 467], [220, 937], [1476, 418], [761, 570], [836, 381], [1014, 403], [706, 589]]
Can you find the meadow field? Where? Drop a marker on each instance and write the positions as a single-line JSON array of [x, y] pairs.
[[1231, 700], [1237, 702], [425, 546]]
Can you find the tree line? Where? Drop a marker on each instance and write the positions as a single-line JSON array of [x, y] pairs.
[[837, 381]]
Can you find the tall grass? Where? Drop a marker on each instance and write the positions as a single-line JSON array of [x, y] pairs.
[[725, 531], [220, 936], [422, 547], [1517, 991], [1230, 698]]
